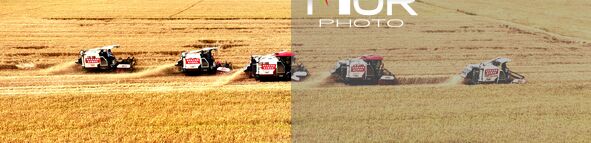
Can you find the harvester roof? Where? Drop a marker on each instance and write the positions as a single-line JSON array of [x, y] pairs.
[[97, 50], [372, 57], [204, 49], [284, 54], [105, 47], [501, 60]]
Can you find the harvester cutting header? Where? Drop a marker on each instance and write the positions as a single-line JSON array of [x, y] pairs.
[[102, 59], [493, 71]]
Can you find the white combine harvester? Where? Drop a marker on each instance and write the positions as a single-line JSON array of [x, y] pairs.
[[201, 61], [367, 69], [493, 71], [278, 66], [102, 59]]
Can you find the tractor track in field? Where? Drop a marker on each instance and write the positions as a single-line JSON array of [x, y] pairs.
[[189, 7], [512, 24], [162, 86]]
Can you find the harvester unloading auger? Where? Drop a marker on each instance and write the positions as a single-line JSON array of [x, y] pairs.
[[493, 71], [367, 69], [102, 59]]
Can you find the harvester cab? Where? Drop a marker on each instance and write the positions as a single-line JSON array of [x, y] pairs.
[[367, 69], [277, 66], [201, 61], [493, 71], [102, 59]]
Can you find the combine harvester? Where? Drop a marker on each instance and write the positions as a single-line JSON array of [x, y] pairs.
[[102, 59], [201, 61], [493, 71], [367, 69], [277, 66]]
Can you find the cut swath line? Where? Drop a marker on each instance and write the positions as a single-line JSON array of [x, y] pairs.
[[236, 76], [191, 6], [400, 80], [67, 67], [161, 70]]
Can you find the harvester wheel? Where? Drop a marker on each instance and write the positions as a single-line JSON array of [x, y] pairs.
[[287, 77], [257, 77], [212, 71]]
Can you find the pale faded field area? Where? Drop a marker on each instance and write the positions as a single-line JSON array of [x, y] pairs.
[[563, 17], [54, 101], [505, 113], [440, 42]]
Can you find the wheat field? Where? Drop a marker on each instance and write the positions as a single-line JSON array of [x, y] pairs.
[[45, 97], [428, 53]]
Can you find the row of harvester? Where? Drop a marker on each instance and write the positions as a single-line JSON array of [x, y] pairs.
[[367, 69], [277, 66]]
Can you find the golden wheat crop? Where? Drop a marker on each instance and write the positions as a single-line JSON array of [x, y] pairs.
[[47, 98], [199, 115]]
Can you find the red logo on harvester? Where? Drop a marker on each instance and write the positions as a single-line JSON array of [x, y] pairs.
[[92, 60], [358, 68], [491, 72], [268, 66], [193, 61]]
